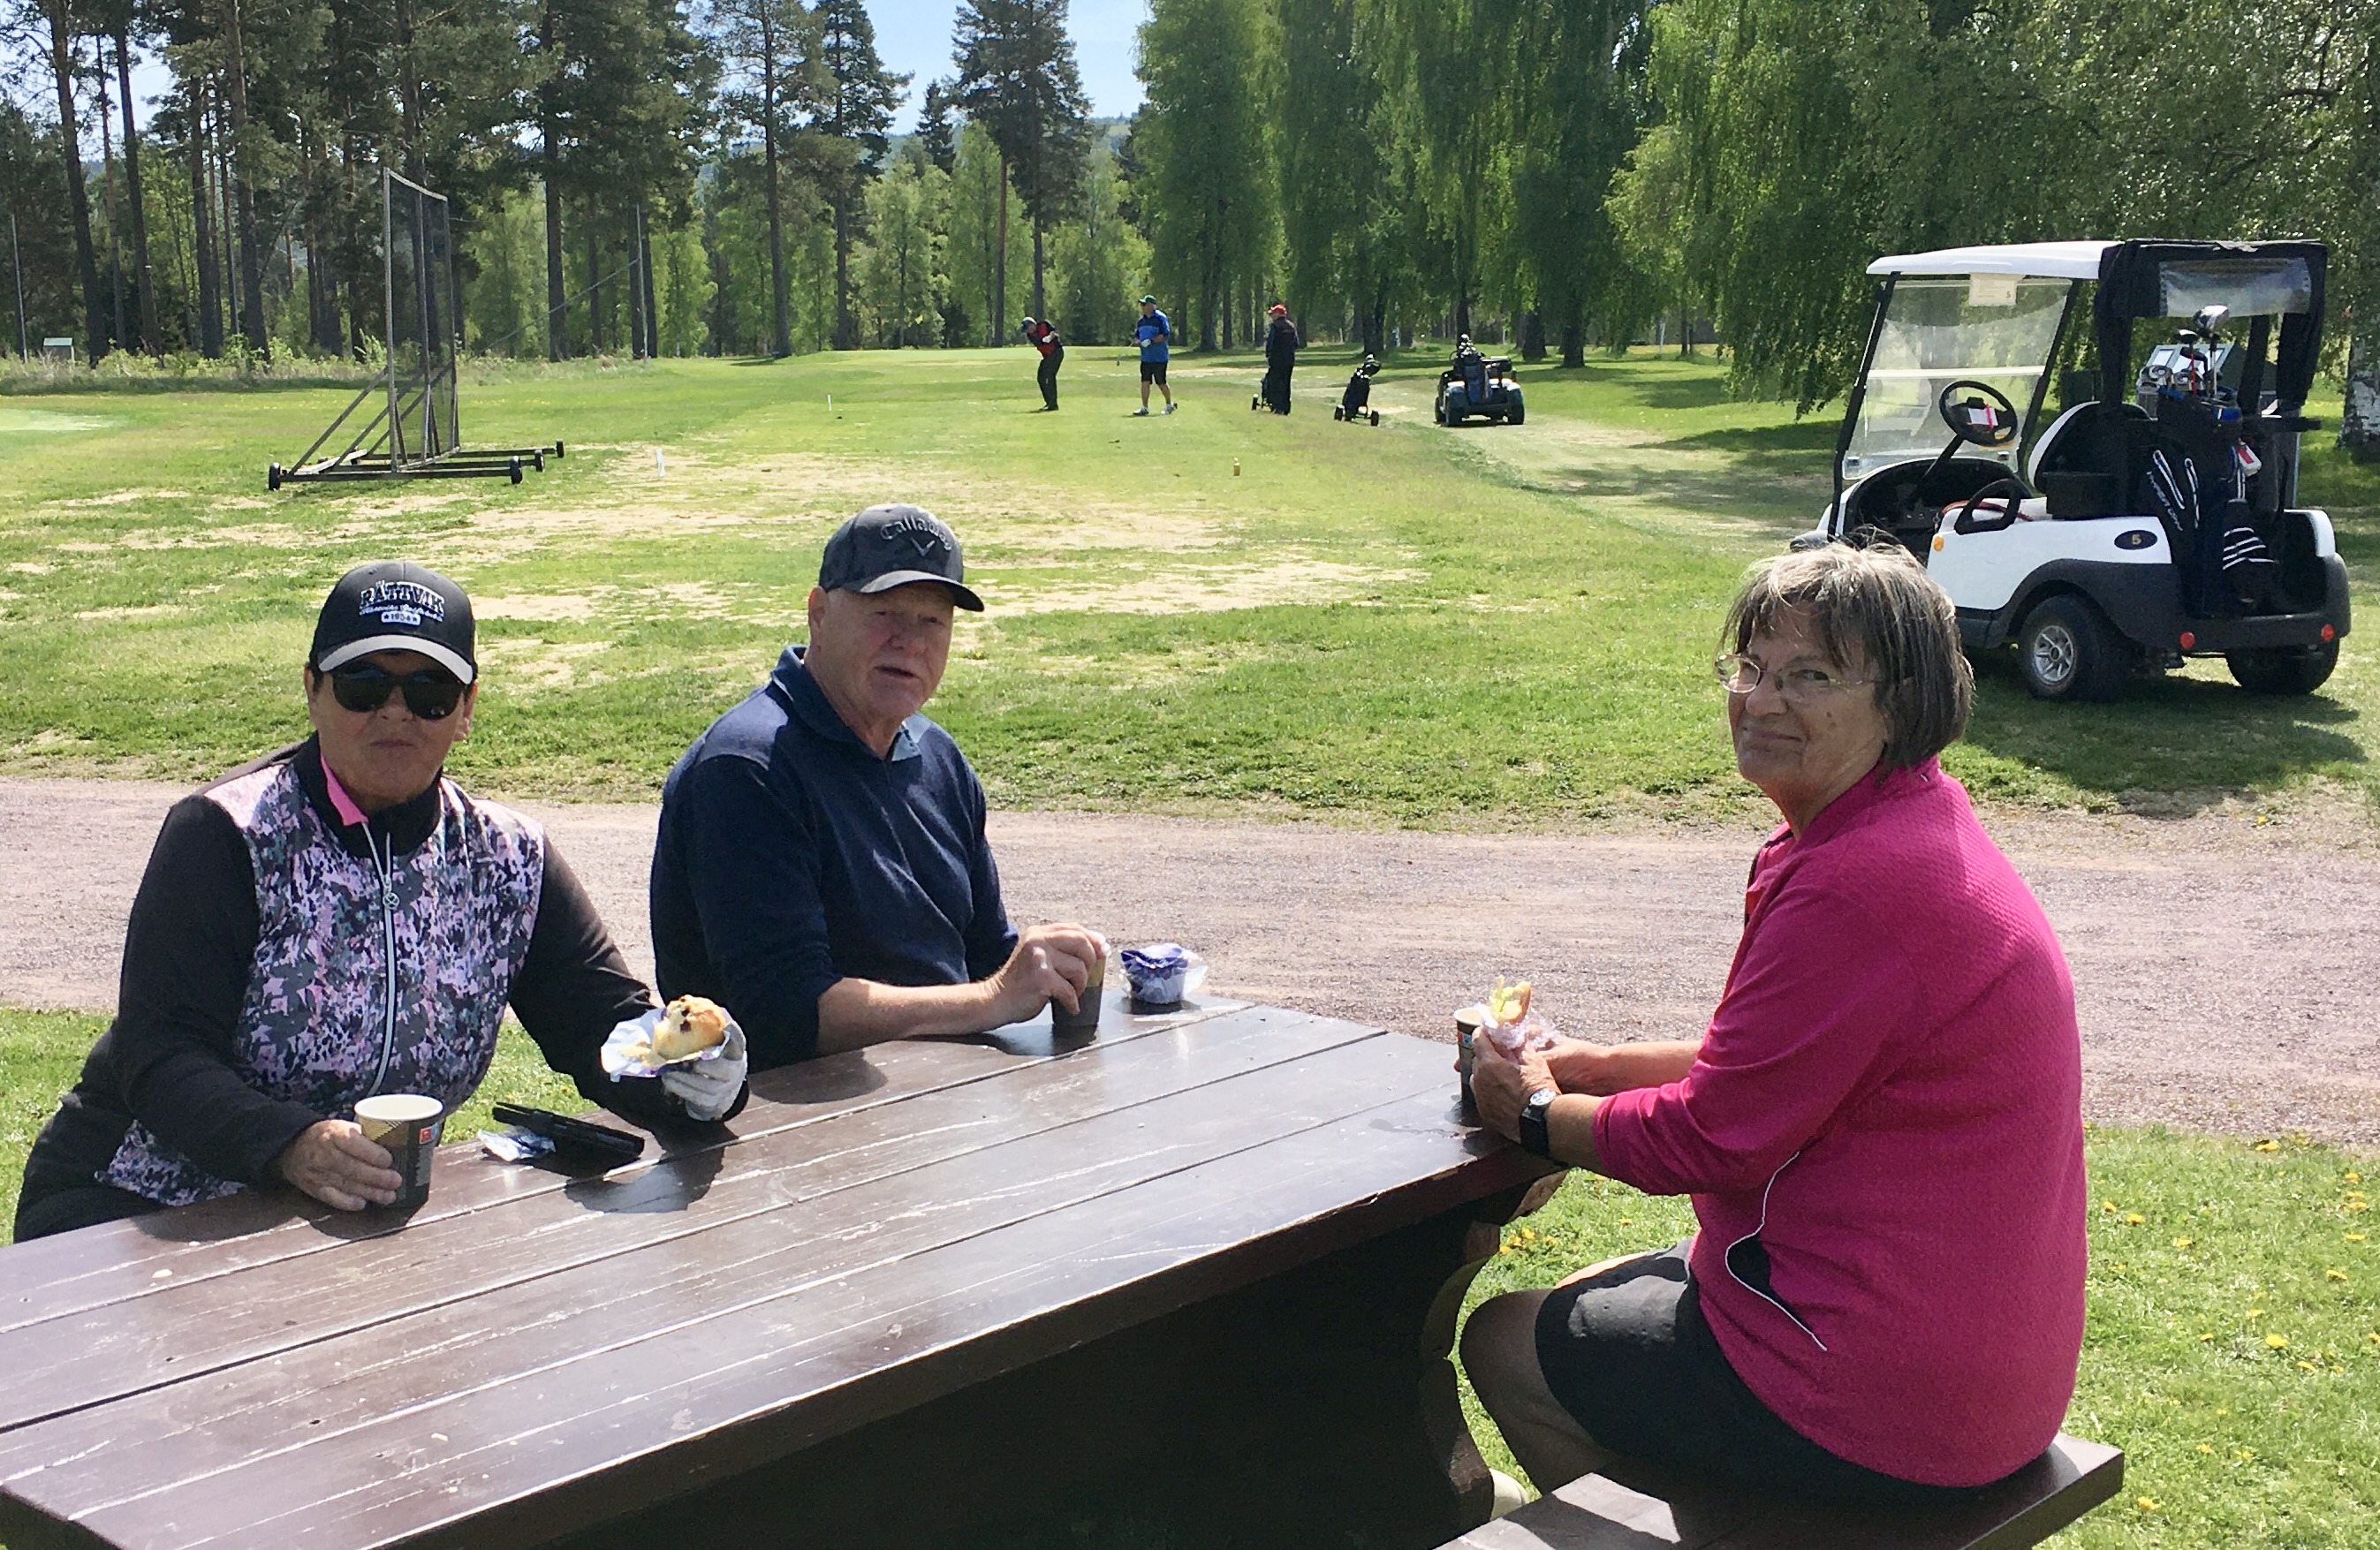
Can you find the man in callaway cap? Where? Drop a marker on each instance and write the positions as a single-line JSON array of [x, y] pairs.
[[333, 921], [822, 868]]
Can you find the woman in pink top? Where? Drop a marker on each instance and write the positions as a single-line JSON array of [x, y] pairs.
[[1881, 1129]]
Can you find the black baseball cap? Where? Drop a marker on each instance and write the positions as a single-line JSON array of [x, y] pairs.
[[891, 546], [396, 605]]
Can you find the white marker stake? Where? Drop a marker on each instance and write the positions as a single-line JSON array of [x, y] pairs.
[[660, 462], [829, 402]]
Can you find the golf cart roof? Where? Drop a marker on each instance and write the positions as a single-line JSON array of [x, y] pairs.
[[2061, 261]]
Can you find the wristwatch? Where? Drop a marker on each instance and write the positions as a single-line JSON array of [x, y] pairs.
[[1533, 1121]]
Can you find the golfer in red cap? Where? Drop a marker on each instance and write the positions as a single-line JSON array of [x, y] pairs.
[[1281, 356]]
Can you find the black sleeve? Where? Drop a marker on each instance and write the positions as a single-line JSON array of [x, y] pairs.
[[187, 951], [751, 862], [574, 988], [989, 938]]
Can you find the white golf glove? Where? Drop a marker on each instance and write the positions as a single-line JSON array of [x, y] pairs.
[[708, 1088]]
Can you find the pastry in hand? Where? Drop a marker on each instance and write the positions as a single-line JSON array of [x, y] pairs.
[[690, 1025]]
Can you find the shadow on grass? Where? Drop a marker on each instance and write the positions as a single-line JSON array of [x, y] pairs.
[[2189, 741], [1799, 437], [1784, 498], [77, 387]]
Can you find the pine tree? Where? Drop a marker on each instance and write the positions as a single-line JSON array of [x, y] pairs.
[[860, 99], [1017, 77]]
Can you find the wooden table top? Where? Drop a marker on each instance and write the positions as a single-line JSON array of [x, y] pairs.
[[533, 1352]]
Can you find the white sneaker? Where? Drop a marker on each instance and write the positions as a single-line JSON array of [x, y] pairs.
[[1141, 413], [1170, 407], [1510, 1498]]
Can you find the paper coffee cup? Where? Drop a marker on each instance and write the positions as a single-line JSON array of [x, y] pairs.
[[406, 1124], [1087, 1019]]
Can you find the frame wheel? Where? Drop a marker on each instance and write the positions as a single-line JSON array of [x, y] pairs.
[[2068, 651], [2284, 669], [1338, 413], [1376, 416]]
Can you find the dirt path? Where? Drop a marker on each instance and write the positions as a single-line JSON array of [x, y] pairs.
[[2228, 975]]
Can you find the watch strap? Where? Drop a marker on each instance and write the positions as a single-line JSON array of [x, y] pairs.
[[1534, 1135]]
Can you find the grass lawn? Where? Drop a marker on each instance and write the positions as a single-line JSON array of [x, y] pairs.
[[1214, 611], [2204, 1253]]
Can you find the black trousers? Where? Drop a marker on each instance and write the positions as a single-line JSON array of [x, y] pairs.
[[1276, 388], [1048, 377]]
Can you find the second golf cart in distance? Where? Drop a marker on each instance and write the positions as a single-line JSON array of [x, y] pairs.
[[2154, 517]]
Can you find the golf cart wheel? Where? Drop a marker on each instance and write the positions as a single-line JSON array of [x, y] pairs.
[[2284, 669], [2068, 651], [1376, 416], [1520, 412], [1438, 414], [1338, 413], [1255, 401]]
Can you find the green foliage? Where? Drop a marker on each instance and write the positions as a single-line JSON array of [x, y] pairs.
[[1207, 191], [1101, 262], [902, 271], [983, 208]]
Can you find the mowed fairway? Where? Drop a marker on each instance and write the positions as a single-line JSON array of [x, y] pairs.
[[1215, 611]]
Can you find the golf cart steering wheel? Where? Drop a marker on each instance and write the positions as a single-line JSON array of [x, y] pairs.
[[1986, 418]]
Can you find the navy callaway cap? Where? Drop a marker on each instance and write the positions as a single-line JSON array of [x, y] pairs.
[[396, 605], [891, 546]]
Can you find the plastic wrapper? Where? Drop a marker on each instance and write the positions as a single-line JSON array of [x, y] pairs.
[[1162, 972], [1511, 1024], [513, 1144], [624, 1052]]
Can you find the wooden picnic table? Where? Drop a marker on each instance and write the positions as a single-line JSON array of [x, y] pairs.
[[1206, 1263]]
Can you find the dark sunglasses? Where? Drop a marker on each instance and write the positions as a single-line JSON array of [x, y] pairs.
[[430, 694]]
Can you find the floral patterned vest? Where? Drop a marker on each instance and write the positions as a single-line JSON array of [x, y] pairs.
[[387, 975]]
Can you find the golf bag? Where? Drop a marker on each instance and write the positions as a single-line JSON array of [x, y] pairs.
[[1355, 402]]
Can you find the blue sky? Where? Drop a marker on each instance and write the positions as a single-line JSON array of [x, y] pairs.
[[913, 36]]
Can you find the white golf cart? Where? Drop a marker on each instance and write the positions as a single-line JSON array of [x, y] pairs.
[[2156, 517]]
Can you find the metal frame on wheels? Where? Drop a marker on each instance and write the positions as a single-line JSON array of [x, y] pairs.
[[417, 430]]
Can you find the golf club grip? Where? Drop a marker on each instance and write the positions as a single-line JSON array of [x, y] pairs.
[[578, 1135]]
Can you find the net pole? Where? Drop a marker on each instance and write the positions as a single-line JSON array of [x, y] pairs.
[[388, 314]]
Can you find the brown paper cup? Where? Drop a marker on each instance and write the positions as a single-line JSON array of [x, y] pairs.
[[1088, 1019], [407, 1124]]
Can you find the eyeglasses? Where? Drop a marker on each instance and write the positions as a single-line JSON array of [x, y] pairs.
[[428, 694], [1739, 674]]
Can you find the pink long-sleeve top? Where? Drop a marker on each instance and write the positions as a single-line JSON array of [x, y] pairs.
[[1886, 1117]]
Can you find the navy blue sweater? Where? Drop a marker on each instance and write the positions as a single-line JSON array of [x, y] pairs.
[[791, 856]]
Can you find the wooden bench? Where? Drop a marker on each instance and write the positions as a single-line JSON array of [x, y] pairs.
[[1655, 1508]]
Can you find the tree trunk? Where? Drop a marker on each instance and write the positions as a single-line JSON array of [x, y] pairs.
[[2358, 426], [1573, 344], [251, 267], [781, 288], [115, 217], [998, 325], [557, 320], [409, 97], [202, 236], [594, 286], [645, 271], [846, 327], [144, 276], [1040, 297], [61, 64], [1532, 337], [221, 142]]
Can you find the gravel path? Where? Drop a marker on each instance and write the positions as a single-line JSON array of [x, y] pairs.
[[2227, 973]]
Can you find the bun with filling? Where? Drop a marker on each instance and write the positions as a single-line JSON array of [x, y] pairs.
[[690, 1025]]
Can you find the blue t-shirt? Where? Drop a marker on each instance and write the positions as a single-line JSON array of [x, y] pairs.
[[1153, 331], [790, 856]]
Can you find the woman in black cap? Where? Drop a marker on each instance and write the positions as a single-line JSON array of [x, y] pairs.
[[336, 920]]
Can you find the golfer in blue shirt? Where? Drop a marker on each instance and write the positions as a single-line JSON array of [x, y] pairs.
[[822, 868], [1155, 332]]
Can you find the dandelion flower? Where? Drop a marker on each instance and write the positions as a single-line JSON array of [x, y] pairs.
[[2134, 1219], [2335, 1275], [2107, 1206], [2246, 1455], [2146, 1504], [2374, 1337], [2206, 1336], [2253, 1312], [2305, 1367], [2183, 1242], [2353, 1177], [2268, 1146], [2277, 1342], [2205, 1447], [2357, 1237]]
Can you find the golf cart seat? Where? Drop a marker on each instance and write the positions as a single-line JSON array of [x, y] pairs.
[[2086, 464]]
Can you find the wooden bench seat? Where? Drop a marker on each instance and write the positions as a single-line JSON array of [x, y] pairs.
[[1657, 1510]]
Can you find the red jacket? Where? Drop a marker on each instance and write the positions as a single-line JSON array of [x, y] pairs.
[[1044, 337], [1890, 1095]]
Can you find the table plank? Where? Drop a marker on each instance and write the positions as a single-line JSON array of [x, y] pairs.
[[201, 1325], [855, 1345], [118, 1261]]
